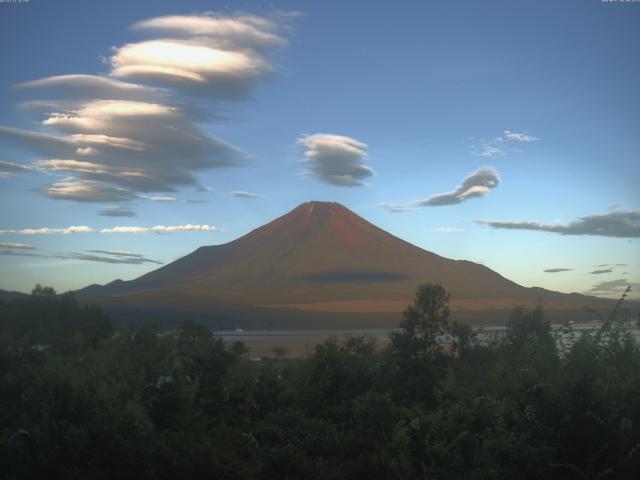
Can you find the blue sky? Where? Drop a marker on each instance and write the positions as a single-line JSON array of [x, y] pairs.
[[499, 132]]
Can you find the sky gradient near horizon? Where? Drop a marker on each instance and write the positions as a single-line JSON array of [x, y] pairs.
[[500, 132]]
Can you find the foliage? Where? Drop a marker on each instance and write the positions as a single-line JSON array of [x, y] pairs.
[[79, 401]]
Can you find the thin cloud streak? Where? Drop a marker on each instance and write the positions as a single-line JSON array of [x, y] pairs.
[[117, 212], [614, 287], [134, 260], [124, 258], [118, 229], [243, 194], [17, 246], [614, 224]]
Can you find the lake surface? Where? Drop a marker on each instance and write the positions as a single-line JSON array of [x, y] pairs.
[[298, 343]]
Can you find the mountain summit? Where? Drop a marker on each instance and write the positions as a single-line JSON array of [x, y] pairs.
[[322, 257]]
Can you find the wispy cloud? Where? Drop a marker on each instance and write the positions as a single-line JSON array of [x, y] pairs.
[[117, 253], [503, 144], [86, 191], [47, 230], [117, 212], [614, 224], [8, 169], [614, 287], [21, 253], [17, 246], [448, 229], [108, 257], [243, 194], [160, 198], [161, 229], [335, 159], [601, 271], [557, 270], [104, 256], [519, 137], [491, 151], [117, 229], [476, 184]]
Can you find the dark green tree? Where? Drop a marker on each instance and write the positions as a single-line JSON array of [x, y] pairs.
[[417, 348]]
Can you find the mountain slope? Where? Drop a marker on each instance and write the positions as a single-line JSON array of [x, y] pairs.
[[323, 257]]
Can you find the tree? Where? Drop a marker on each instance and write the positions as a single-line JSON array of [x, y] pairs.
[[424, 322], [416, 348]]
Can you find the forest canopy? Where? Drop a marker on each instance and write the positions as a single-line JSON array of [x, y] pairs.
[[79, 400]]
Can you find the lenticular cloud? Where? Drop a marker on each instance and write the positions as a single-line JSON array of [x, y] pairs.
[[137, 131], [336, 159]]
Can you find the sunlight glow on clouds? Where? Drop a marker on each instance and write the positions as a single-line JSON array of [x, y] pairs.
[[210, 55], [476, 184], [85, 191], [244, 31], [121, 139]]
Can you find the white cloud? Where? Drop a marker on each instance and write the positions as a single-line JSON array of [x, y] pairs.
[[211, 55], [95, 87], [125, 229], [117, 253], [243, 31], [134, 149], [161, 229], [519, 137], [476, 184], [132, 138], [47, 230], [503, 144], [336, 159], [118, 229], [184, 228], [491, 151], [243, 194], [86, 191], [160, 198]]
